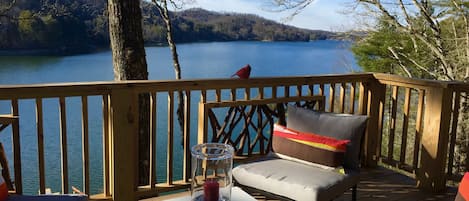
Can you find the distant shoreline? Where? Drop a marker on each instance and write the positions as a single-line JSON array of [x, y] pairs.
[[71, 52], [29, 52], [49, 52]]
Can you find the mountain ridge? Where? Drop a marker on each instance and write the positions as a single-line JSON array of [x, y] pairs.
[[77, 26]]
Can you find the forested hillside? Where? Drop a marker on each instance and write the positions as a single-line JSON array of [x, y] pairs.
[[71, 26]]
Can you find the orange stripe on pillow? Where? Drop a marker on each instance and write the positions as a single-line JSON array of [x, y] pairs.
[[464, 186], [320, 145], [311, 139]]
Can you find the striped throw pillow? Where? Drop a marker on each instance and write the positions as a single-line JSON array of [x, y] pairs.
[[308, 147], [463, 190]]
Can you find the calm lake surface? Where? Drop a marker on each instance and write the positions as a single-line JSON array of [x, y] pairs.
[[198, 60]]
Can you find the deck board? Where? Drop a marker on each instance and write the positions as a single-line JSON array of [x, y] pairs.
[[385, 184], [380, 184]]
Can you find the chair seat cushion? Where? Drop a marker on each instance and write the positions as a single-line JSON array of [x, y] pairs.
[[294, 180]]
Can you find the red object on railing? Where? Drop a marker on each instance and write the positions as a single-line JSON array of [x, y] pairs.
[[211, 190], [3, 189], [244, 72], [463, 191]]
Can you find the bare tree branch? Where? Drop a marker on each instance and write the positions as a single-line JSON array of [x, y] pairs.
[[406, 14], [465, 15], [396, 56], [283, 5], [423, 68]]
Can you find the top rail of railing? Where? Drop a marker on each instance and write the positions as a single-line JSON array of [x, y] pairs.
[[105, 87]]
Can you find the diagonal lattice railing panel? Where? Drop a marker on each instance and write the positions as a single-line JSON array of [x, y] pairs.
[[248, 125]]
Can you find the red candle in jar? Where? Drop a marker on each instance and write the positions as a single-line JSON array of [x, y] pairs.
[[211, 190]]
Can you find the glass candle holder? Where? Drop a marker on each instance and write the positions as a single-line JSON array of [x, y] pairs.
[[211, 172]]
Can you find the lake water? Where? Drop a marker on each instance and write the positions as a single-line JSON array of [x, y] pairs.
[[198, 60]]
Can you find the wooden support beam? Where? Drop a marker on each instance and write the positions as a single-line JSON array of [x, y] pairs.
[[431, 175], [374, 99], [124, 109]]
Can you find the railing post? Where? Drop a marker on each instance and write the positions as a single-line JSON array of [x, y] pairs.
[[437, 116], [374, 101], [124, 113]]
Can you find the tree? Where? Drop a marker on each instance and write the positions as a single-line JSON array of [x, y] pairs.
[[438, 36], [28, 25], [382, 49], [128, 53], [162, 6], [6, 6], [417, 38], [429, 24], [440, 26]]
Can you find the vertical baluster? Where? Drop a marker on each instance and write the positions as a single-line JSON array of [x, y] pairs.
[[321, 90], [331, 97], [85, 145], [299, 90], [106, 146], [311, 90], [218, 95], [363, 99], [418, 128], [153, 143], [342, 97], [169, 166], [202, 119], [392, 129], [352, 98], [454, 126], [322, 105], [187, 137], [203, 95], [261, 92], [274, 91], [63, 143], [16, 148], [247, 93], [40, 145], [405, 126], [232, 93], [299, 93]]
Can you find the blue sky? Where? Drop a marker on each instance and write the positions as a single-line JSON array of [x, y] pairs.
[[322, 14]]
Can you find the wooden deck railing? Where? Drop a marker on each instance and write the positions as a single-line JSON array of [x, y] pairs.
[[413, 125]]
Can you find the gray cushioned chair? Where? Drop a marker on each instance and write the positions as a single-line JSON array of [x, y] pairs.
[[293, 180]]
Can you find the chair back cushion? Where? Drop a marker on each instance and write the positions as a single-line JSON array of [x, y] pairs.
[[338, 126], [463, 190]]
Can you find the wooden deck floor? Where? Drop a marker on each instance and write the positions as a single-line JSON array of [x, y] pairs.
[[381, 184], [384, 184]]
